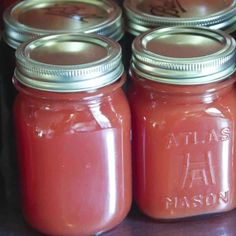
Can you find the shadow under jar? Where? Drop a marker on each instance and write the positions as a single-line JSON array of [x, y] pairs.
[[183, 104], [72, 123]]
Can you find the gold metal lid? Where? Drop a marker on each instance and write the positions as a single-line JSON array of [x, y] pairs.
[[68, 62], [143, 15], [184, 55], [40, 17]]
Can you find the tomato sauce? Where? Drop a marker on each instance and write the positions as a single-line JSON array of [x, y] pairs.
[[24, 20], [183, 123], [184, 158], [74, 147]]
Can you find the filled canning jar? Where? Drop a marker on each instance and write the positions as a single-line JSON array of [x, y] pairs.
[[72, 122], [144, 15], [183, 104], [26, 19]]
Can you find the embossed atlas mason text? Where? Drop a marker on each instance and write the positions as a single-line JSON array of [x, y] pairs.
[[197, 201], [174, 140], [200, 172]]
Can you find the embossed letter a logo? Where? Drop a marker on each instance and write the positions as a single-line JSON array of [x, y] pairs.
[[198, 172]]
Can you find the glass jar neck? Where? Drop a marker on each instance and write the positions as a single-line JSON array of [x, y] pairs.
[[206, 93], [85, 96]]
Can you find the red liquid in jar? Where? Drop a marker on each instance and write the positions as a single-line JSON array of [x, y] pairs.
[[72, 122], [184, 148], [74, 155]]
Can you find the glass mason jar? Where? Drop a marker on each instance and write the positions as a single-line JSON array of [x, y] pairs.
[[183, 106], [27, 19], [144, 15], [72, 123]]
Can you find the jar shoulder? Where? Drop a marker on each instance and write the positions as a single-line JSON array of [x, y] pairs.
[[107, 112], [154, 106]]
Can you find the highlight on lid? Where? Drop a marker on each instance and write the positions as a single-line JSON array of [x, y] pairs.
[[31, 18], [147, 14], [184, 55], [183, 105], [74, 117], [68, 62]]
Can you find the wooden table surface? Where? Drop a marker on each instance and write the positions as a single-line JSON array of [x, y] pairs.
[[136, 224]]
